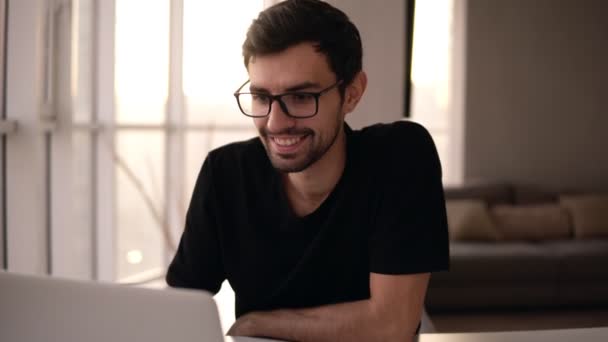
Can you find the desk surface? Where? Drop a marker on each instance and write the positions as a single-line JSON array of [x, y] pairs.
[[582, 335], [246, 339]]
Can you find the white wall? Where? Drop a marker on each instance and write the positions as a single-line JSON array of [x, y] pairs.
[[536, 95], [382, 28]]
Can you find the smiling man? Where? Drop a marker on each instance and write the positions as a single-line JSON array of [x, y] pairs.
[[324, 233]]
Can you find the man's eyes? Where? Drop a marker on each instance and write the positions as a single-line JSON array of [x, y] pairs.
[[299, 98], [291, 97], [260, 98], [302, 96]]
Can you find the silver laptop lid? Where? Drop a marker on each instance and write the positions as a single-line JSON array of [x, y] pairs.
[[34, 308]]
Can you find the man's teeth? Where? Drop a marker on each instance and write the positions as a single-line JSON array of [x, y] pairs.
[[287, 141]]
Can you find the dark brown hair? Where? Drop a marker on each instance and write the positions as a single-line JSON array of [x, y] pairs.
[[296, 21]]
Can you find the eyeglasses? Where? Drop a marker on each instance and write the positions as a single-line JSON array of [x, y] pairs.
[[297, 104]]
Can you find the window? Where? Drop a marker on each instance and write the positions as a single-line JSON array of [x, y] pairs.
[[130, 97], [174, 76], [436, 73]]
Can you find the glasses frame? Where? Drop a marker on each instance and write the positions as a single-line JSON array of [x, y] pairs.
[[278, 98]]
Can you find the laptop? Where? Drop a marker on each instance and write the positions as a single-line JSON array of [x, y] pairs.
[[36, 309]]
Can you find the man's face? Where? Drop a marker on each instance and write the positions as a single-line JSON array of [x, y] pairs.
[[295, 144]]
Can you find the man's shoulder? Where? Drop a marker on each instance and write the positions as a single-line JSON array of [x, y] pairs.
[[387, 138], [385, 132]]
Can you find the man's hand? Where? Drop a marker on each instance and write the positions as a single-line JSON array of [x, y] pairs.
[[391, 314]]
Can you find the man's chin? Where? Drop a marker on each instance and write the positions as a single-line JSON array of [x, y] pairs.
[[289, 166], [289, 163]]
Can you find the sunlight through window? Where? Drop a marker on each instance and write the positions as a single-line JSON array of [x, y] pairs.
[[214, 32], [212, 69], [431, 75], [142, 60]]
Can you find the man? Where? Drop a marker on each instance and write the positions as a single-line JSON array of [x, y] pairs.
[[324, 233]]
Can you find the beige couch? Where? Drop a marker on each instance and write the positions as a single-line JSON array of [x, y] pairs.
[[515, 246]]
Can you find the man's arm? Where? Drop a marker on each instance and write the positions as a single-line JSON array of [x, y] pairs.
[[391, 314]]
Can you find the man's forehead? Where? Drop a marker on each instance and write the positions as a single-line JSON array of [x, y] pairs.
[[278, 86], [288, 69]]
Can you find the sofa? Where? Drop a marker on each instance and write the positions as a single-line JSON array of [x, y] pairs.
[[520, 246]]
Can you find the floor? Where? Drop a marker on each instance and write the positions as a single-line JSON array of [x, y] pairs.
[[519, 320]]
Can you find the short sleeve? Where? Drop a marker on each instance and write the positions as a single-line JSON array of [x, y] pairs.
[[197, 263], [410, 233]]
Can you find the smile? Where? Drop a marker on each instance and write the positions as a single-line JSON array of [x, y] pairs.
[[287, 145], [287, 141]]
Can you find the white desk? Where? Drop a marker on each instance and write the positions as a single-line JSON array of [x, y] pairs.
[[562, 335], [247, 339]]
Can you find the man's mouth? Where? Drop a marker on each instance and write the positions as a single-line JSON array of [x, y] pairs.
[[287, 144]]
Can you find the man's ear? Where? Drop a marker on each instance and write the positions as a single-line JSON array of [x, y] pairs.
[[354, 91]]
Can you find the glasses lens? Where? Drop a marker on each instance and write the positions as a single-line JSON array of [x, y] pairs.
[[254, 104], [297, 104], [300, 104]]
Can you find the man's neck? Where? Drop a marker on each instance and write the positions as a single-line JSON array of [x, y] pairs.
[[306, 190]]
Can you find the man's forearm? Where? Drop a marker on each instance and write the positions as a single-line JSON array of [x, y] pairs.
[[352, 321]]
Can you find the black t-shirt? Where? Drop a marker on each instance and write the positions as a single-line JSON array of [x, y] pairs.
[[385, 215]]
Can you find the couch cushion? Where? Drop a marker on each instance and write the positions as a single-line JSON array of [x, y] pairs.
[[589, 214], [504, 263], [490, 296], [526, 194], [492, 194], [581, 260], [532, 222], [470, 220], [518, 274]]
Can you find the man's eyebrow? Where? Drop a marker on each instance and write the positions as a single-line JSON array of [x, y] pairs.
[[256, 89], [295, 87], [303, 85]]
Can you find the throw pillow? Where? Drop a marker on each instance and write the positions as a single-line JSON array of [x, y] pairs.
[[469, 220], [589, 214], [532, 222]]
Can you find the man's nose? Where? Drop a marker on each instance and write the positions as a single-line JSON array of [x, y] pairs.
[[278, 120]]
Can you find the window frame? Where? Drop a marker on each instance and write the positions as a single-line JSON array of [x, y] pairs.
[[41, 34]]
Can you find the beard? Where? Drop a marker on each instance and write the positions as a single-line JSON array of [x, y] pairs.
[[316, 146]]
